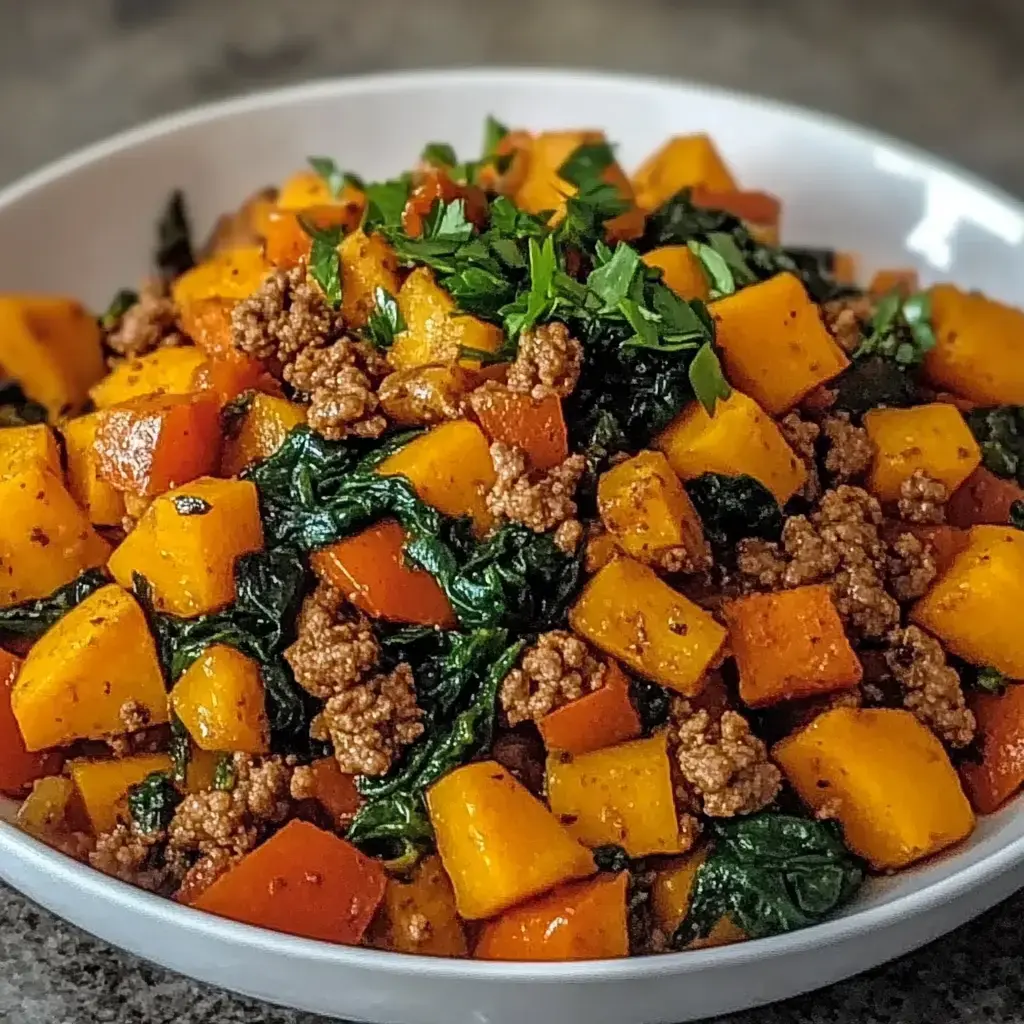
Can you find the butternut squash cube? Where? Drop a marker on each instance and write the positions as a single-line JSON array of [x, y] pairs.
[[229, 274], [739, 439], [308, 188], [450, 468], [367, 263], [208, 323], [628, 612], [642, 503], [186, 544], [266, 424], [887, 779], [498, 843], [46, 811], [974, 608], [51, 346], [620, 795], [435, 329], [46, 541], [684, 161], [80, 673], [167, 371], [775, 346], [31, 447], [680, 270], [102, 501], [103, 785], [997, 772], [934, 438], [790, 644], [220, 700], [979, 347]]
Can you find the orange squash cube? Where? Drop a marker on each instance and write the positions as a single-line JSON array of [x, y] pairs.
[[167, 371], [103, 785], [684, 161], [19, 767], [367, 263], [102, 501], [208, 323], [680, 270], [537, 426], [266, 424], [999, 772], [29, 447]]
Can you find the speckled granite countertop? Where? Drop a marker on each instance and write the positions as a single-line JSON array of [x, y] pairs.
[[944, 74]]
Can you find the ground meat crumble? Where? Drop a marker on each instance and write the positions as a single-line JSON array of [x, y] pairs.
[[548, 362], [557, 669], [148, 324], [850, 451], [922, 499], [801, 435], [845, 319]]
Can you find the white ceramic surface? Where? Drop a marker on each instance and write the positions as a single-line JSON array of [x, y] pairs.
[[84, 226]]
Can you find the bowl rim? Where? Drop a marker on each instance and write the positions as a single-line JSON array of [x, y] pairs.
[[125, 897]]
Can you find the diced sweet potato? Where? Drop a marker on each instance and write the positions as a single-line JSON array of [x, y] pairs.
[[933, 438], [46, 540], [680, 270], [974, 608], [288, 243], [51, 346], [671, 895], [208, 323], [79, 674], [760, 211], [370, 570], [167, 371], [367, 263], [621, 795], [599, 719], [628, 612], [739, 439], [499, 844], [229, 274], [774, 344], [151, 444], [302, 881], [335, 791], [684, 161], [998, 771], [450, 468], [979, 347], [227, 376], [642, 503], [885, 777], [30, 447], [103, 785], [537, 426], [578, 921], [186, 544], [102, 501], [266, 424], [19, 767], [983, 498], [790, 644], [220, 700]]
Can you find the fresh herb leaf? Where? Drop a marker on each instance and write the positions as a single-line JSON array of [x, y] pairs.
[[224, 774], [445, 231], [587, 163], [723, 262], [732, 508], [174, 251], [324, 259], [151, 803], [706, 378], [538, 301], [900, 330], [385, 320], [770, 873], [31, 619], [494, 132], [16, 409], [385, 201], [122, 301], [180, 750], [191, 505], [999, 431], [335, 177], [440, 154], [612, 281]]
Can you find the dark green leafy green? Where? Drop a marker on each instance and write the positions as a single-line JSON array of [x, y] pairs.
[[324, 259], [611, 858], [385, 320], [723, 263], [706, 378], [440, 154], [385, 201], [734, 507], [494, 132], [233, 413], [986, 679], [900, 330], [16, 409], [122, 301], [180, 750], [151, 803], [770, 873], [174, 252], [999, 430], [224, 775], [871, 382], [31, 619], [652, 703]]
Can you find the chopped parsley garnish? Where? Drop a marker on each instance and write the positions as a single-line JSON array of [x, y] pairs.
[[324, 260], [900, 330], [151, 802], [385, 201], [122, 301], [385, 320], [440, 154]]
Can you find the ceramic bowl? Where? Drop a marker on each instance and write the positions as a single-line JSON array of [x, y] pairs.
[[84, 226]]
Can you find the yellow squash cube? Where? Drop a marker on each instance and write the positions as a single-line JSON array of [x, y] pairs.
[[740, 439], [267, 422], [933, 438], [220, 700], [644, 506], [450, 468], [621, 795], [775, 346], [974, 608], [188, 557], [367, 263], [103, 503], [630, 613], [78, 675], [46, 540], [885, 777], [680, 270], [979, 347], [103, 785], [498, 843], [685, 161], [229, 274], [51, 346], [167, 371], [31, 447], [435, 329]]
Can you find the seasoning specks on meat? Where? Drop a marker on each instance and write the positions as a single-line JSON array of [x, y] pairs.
[[801, 435], [845, 319], [548, 362], [922, 499], [911, 567], [850, 451], [150, 323]]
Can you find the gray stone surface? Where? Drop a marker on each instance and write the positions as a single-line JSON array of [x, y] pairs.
[[945, 74]]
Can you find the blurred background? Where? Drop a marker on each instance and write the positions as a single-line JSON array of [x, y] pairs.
[[945, 74]]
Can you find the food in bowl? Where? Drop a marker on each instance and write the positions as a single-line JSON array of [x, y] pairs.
[[513, 559]]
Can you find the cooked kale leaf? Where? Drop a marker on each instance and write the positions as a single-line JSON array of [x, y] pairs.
[[16, 408], [152, 801], [179, 749], [174, 251], [652, 703], [31, 619], [999, 431], [874, 381], [770, 873], [734, 507]]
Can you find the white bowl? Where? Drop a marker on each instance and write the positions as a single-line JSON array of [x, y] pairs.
[[84, 226]]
